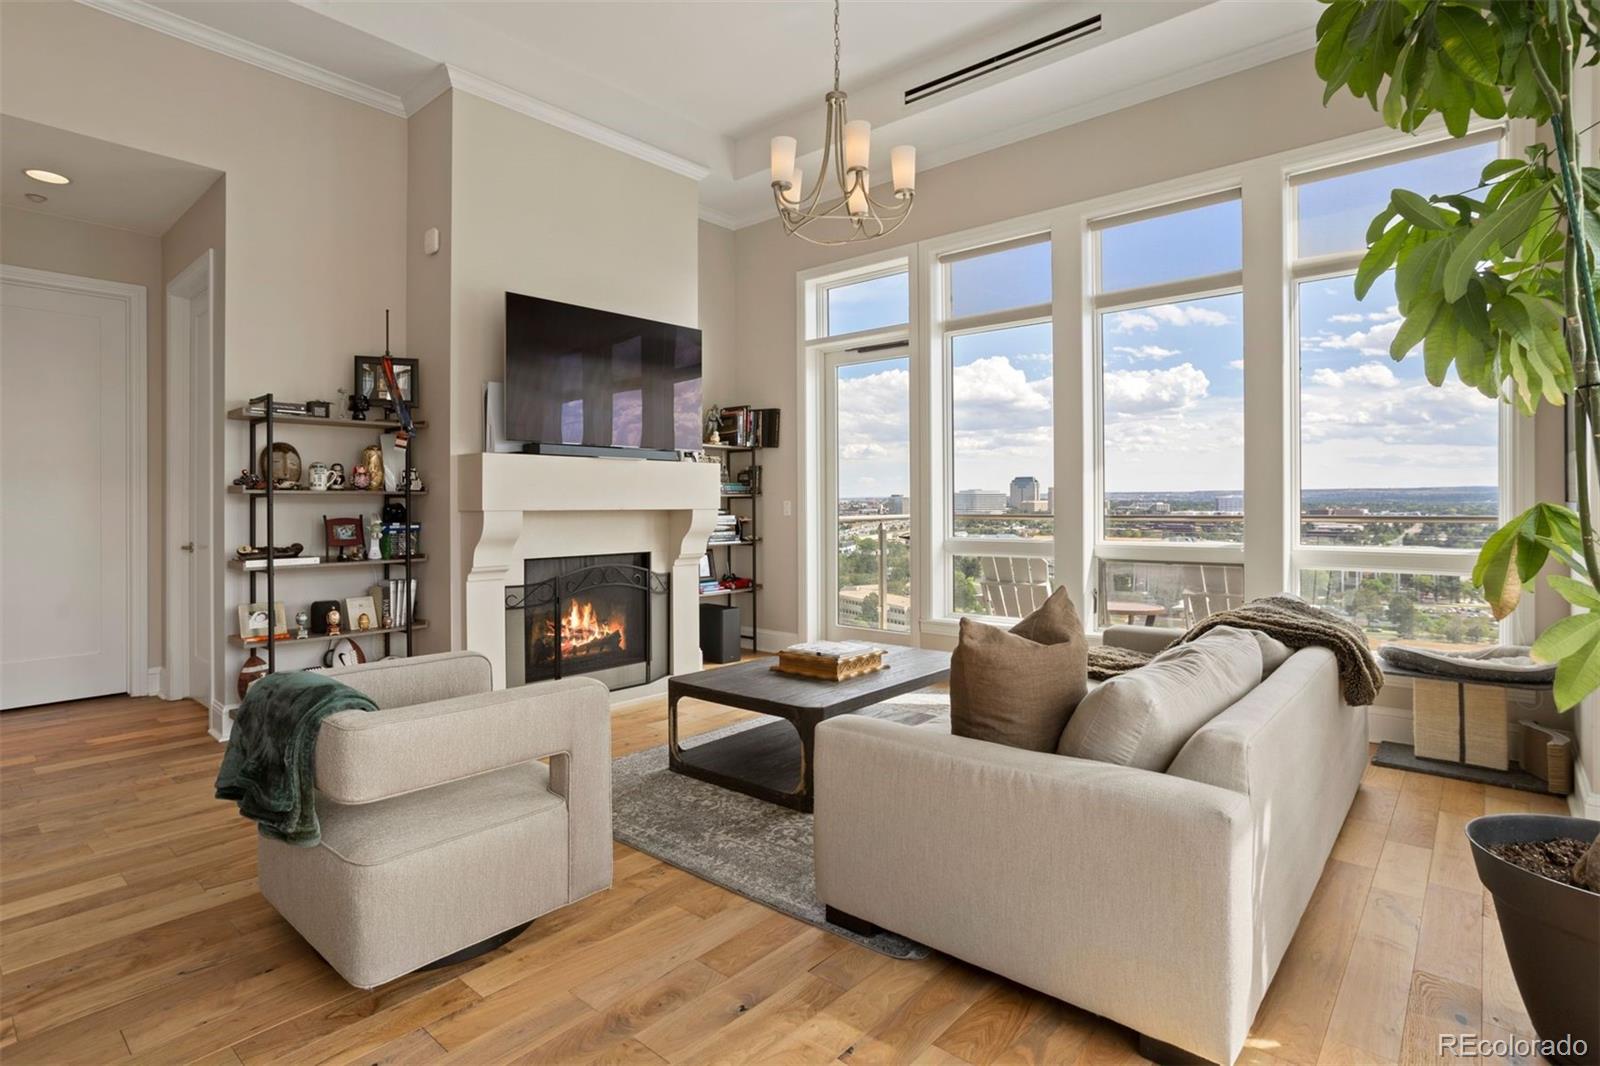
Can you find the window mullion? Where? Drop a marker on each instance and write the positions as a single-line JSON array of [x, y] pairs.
[[1268, 384]]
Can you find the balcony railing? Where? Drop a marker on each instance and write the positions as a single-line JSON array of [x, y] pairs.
[[892, 615]]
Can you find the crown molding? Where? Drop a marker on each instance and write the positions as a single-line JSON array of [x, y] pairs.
[[164, 21], [718, 218], [509, 98], [417, 97], [432, 86]]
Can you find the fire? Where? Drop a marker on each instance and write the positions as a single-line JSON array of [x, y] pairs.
[[581, 627]]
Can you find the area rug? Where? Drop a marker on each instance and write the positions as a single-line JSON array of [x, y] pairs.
[[757, 849]]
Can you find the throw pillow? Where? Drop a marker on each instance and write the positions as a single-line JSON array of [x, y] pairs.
[[1143, 718], [1014, 691], [1055, 621]]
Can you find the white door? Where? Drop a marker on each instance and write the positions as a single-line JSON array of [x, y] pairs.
[[65, 503], [198, 538]]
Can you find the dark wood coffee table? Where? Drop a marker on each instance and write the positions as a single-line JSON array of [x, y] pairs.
[[774, 762]]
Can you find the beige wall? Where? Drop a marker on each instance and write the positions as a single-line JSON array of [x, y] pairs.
[[316, 201], [66, 246], [718, 321], [540, 211]]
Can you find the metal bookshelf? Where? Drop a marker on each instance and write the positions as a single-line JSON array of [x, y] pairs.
[[267, 420], [751, 540]]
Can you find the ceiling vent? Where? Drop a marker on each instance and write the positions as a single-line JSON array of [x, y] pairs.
[[1039, 45]]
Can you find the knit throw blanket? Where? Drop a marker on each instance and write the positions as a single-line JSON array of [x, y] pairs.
[[1294, 622], [270, 765]]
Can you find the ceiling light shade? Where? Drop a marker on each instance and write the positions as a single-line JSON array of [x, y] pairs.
[[857, 144], [782, 159], [49, 177], [849, 213], [903, 167]]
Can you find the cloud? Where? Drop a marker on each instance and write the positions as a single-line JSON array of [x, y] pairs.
[[1353, 317], [1137, 392], [1237, 364], [1374, 341], [1369, 405], [1146, 351], [1149, 319], [1375, 375], [872, 416]]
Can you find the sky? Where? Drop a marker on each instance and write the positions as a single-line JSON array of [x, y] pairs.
[[1173, 382]]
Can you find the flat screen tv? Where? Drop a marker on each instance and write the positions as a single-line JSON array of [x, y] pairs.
[[580, 381]]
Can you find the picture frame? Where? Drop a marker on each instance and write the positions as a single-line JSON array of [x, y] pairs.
[[343, 539], [359, 609], [371, 384], [253, 622]]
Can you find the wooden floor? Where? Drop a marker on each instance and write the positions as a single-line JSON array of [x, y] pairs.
[[131, 930]]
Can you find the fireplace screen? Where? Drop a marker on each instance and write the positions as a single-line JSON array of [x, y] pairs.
[[606, 616]]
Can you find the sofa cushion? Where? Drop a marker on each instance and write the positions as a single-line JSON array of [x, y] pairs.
[[1274, 652], [1011, 690], [1143, 718], [1055, 621]]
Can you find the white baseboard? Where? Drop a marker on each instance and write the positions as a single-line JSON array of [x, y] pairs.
[[154, 680], [774, 639], [1584, 801], [219, 725]]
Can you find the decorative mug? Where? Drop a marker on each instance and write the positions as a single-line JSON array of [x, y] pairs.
[[336, 476], [319, 477]]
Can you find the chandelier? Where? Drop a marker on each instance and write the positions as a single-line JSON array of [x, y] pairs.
[[854, 214]]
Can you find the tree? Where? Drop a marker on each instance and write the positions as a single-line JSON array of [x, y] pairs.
[[1497, 280], [869, 609], [1403, 615]]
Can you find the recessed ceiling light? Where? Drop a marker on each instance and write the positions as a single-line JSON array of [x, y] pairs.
[[49, 177], [35, 197]]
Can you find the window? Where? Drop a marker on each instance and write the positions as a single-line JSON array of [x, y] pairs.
[[1171, 364], [1000, 428], [874, 303], [1370, 490], [1387, 463]]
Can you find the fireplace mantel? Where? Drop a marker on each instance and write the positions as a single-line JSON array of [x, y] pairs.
[[526, 506]]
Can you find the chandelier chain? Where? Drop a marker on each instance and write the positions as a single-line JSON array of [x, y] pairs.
[[835, 45]]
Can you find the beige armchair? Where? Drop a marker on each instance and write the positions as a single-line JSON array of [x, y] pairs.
[[443, 830]]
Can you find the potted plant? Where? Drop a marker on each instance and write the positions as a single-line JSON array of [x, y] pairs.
[[1499, 282]]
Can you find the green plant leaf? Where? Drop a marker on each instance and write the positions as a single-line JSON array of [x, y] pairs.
[[1565, 637], [1439, 346], [1468, 43], [1577, 593], [1415, 326], [1379, 258], [1496, 570], [1578, 674], [1498, 168], [1419, 212], [1505, 226], [1421, 267]]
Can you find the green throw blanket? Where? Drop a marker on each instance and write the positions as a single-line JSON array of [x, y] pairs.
[[1292, 621], [270, 764]]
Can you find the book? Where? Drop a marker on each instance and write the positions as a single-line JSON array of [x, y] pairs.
[[279, 564]]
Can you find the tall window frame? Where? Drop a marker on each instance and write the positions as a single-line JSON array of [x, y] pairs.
[[944, 329], [1100, 303], [1515, 443]]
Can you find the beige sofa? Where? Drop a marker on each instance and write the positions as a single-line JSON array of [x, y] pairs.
[[1163, 901], [441, 827]]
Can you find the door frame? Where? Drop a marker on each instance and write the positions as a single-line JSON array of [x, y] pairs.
[[196, 279], [136, 454], [832, 357]]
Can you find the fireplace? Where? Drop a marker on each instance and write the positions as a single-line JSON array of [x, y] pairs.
[[605, 616]]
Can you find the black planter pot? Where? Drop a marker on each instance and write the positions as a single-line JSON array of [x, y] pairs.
[[1551, 931]]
